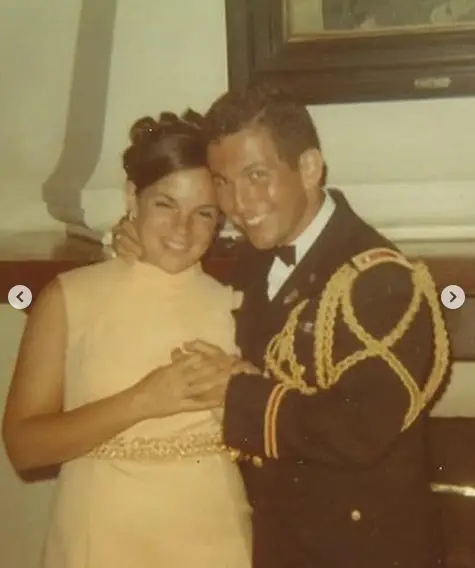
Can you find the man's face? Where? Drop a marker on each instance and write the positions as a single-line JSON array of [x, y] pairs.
[[258, 191]]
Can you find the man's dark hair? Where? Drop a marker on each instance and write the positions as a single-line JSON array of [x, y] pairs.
[[288, 122]]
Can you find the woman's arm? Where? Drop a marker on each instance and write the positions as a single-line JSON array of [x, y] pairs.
[[36, 431]]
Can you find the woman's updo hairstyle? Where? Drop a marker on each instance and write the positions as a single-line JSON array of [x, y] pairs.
[[164, 146]]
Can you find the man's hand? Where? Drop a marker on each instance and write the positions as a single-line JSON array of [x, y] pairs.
[[210, 380], [125, 241], [165, 391]]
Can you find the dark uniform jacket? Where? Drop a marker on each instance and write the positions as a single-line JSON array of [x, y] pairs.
[[331, 437]]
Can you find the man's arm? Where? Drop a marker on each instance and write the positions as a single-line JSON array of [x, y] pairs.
[[358, 408]]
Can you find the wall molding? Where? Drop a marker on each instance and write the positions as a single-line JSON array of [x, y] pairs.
[[87, 110], [442, 210]]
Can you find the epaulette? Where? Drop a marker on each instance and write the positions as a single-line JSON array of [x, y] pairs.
[[372, 257]]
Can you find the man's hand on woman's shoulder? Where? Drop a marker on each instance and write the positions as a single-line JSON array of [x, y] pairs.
[[125, 240]]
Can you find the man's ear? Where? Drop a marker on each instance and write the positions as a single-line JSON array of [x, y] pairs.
[[312, 168], [131, 200]]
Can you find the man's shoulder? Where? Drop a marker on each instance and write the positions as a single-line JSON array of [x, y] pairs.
[[375, 258], [382, 275]]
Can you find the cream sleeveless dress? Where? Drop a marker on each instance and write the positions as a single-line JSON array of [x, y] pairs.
[[163, 493]]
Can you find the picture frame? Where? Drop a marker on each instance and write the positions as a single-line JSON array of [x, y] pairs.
[[402, 64]]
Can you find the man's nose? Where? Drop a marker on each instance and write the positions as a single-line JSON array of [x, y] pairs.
[[244, 196]]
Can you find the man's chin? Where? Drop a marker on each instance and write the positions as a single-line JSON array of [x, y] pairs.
[[262, 239]]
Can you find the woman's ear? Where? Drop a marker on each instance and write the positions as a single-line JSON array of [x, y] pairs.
[[131, 201]]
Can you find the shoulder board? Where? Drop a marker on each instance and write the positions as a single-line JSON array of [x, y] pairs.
[[373, 257]]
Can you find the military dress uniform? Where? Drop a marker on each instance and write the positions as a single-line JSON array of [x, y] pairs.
[[331, 436]]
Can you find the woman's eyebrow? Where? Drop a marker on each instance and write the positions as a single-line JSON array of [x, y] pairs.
[[208, 206]]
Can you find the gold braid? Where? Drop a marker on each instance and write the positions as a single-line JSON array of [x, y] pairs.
[[281, 361], [281, 353]]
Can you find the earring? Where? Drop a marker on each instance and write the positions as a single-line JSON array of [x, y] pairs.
[[131, 216]]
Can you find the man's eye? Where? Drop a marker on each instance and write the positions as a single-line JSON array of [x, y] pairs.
[[220, 184], [207, 214], [257, 175], [162, 204]]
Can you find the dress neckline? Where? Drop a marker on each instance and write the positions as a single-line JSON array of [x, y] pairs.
[[147, 272]]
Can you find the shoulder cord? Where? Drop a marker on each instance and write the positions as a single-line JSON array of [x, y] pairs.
[[281, 361]]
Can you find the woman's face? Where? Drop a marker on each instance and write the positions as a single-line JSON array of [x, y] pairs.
[[176, 219]]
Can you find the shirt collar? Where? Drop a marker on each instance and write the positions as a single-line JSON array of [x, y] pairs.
[[306, 239]]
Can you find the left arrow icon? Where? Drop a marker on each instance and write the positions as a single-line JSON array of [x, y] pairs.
[[20, 297]]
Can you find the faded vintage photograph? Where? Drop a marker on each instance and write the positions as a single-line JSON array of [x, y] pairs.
[[311, 17]]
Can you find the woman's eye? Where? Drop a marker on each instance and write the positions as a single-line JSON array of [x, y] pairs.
[[162, 204]]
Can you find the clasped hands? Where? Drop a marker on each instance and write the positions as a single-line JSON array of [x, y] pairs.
[[196, 379]]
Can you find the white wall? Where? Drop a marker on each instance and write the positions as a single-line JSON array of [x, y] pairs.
[[37, 44], [400, 162], [408, 163]]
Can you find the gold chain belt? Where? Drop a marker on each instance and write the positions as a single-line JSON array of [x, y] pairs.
[[142, 448], [156, 449]]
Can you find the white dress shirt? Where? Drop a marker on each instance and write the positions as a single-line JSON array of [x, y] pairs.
[[279, 271]]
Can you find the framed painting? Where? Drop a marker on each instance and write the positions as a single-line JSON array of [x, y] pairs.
[[339, 51]]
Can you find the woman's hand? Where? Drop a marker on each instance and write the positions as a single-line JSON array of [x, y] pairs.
[[208, 380], [166, 390], [125, 241]]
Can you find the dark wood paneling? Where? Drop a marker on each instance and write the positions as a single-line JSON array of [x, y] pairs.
[[35, 259]]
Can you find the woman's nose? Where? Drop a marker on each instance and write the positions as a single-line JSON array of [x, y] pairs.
[[182, 224]]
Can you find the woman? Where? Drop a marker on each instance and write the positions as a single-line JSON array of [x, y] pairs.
[[144, 480]]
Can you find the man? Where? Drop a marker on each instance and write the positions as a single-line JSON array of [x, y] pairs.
[[351, 347]]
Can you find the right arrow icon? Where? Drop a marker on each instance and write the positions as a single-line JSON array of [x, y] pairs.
[[453, 297]]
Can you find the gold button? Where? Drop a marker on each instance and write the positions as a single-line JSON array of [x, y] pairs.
[[257, 461], [355, 515]]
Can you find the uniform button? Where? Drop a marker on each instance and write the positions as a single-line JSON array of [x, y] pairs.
[[356, 515], [257, 461]]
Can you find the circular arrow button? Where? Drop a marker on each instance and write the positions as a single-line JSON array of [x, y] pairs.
[[19, 297], [453, 297]]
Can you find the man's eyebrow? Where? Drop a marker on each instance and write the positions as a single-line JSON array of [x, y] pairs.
[[246, 169], [217, 175], [253, 165], [164, 195]]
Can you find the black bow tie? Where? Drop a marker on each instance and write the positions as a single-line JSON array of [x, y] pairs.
[[286, 254]]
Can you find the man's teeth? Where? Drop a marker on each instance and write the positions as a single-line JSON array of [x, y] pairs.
[[255, 220]]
